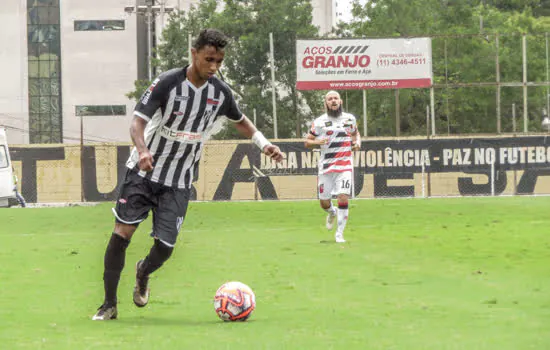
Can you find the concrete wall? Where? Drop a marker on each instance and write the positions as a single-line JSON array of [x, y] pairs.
[[13, 70], [98, 68]]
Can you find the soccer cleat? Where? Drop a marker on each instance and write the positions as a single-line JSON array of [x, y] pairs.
[[339, 237], [330, 221], [141, 291], [105, 313]]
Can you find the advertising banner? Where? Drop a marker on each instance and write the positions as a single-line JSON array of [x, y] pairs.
[[363, 64], [236, 170]]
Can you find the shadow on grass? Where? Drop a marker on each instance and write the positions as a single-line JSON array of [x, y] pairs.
[[164, 321]]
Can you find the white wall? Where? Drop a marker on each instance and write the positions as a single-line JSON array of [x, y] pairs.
[[98, 68], [13, 70]]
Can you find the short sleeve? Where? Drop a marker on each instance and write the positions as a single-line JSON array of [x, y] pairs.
[[152, 99], [230, 109], [315, 130]]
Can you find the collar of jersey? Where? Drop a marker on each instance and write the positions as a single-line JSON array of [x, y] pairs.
[[191, 84]]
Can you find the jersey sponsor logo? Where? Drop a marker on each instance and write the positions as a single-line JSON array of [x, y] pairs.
[[330, 132], [213, 101], [180, 136], [178, 113]]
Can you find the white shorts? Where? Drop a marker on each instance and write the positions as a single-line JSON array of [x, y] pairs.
[[334, 184]]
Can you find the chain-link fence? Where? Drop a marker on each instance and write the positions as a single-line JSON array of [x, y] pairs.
[[483, 84], [490, 98], [230, 170]]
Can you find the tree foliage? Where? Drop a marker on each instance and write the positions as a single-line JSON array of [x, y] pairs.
[[247, 63], [464, 52], [464, 44]]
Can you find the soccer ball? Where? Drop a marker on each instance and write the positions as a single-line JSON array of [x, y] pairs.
[[234, 301]]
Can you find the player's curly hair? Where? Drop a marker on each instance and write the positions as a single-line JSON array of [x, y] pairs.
[[212, 37]]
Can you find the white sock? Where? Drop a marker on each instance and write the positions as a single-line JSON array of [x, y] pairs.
[[342, 220], [331, 210]]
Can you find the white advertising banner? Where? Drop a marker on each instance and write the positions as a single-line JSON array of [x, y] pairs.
[[364, 64]]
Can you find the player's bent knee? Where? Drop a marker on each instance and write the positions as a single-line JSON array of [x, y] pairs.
[[125, 230], [325, 204], [165, 250], [343, 202]]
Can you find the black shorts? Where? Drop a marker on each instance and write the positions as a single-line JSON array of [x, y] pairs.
[[139, 195]]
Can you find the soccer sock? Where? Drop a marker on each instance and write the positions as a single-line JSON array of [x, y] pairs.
[[342, 217], [115, 255], [158, 254], [331, 210]]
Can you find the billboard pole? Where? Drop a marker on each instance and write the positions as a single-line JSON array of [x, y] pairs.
[[432, 108], [273, 97], [365, 113]]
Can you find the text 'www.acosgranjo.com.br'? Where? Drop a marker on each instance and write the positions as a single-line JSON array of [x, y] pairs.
[[364, 84]]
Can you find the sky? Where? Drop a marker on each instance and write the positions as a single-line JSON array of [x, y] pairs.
[[344, 7]]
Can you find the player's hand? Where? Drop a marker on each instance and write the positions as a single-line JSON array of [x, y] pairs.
[[322, 141], [355, 146], [273, 152], [145, 161]]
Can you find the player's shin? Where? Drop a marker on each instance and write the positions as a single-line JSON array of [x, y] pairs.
[[342, 217], [158, 255], [115, 256], [331, 210]]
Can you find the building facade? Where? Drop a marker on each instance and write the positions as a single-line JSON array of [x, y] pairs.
[[68, 66]]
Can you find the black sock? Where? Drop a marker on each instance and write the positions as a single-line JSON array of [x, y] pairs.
[[115, 255], [158, 254]]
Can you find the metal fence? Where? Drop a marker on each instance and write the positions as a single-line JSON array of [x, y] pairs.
[[483, 84], [230, 170]]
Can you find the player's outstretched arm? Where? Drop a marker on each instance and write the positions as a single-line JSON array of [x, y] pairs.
[[246, 128]]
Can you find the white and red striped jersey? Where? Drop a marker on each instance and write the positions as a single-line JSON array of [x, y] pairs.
[[336, 155]]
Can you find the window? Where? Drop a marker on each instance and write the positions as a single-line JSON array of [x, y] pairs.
[[100, 110], [3, 157], [99, 25], [44, 50]]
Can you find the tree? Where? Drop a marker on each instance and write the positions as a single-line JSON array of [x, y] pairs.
[[247, 65], [466, 55]]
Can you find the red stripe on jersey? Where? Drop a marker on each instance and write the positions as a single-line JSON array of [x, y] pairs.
[[340, 163]]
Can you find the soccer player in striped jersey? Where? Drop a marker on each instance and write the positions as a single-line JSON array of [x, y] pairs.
[[172, 120], [336, 134]]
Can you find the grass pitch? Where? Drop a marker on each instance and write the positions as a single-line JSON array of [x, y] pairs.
[[464, 273]]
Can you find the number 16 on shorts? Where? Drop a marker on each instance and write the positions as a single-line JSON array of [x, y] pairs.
[[334, 184]]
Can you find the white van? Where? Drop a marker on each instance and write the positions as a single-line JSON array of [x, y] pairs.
[[6, 171]]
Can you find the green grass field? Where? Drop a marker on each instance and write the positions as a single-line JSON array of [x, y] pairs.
[[464, 273]]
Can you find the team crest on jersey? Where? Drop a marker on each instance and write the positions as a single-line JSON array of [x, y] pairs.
[[328, 123]]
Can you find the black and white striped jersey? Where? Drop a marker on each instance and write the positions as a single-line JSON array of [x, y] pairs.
[[180, 117]]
